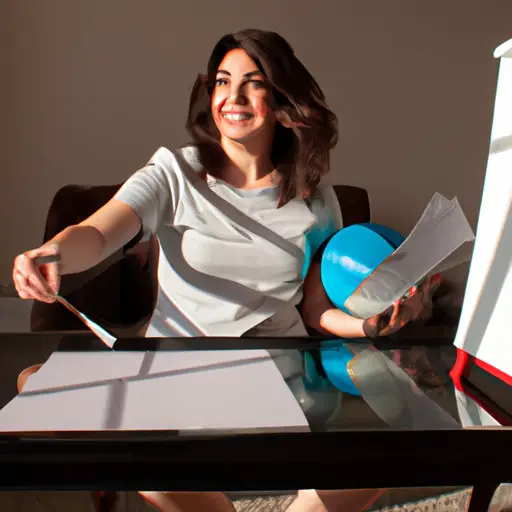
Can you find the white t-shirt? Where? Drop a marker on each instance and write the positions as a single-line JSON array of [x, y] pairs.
[[230, 262]]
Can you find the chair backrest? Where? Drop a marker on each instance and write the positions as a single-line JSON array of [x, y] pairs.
[[120, 292]]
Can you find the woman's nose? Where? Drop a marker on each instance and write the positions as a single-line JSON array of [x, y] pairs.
[[237, 96]]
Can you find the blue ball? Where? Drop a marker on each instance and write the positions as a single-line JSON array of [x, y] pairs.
[[336, 364], [351, 255]]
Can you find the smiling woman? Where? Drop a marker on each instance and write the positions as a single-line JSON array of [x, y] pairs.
[[257, 92], [231, 213]]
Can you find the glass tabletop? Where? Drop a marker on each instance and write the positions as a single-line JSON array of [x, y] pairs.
[[269, 408], [219, 386]]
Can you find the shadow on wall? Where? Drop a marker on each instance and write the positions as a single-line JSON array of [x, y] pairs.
[[93, 92]]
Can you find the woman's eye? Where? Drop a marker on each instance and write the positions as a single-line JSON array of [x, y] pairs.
[[220, 81], [258, 84]]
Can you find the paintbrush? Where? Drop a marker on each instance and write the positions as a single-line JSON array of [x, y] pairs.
[[9, 291]]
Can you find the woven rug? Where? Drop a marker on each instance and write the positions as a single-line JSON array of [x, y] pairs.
[[449, 502], [264, 504], [457, 501], [452, 502]]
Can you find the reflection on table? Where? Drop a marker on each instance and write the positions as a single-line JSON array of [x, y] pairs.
[[220, 385]]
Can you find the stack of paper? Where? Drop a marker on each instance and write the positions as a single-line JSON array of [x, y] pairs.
[[434, 245]]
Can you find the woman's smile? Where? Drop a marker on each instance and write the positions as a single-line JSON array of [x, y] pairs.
[[237, 116]]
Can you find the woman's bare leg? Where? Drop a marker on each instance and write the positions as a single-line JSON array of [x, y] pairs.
[[189, 501], [25, 374], [355, 500]]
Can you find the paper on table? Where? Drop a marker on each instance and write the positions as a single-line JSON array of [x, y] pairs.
[[239, 391], [440, 232]]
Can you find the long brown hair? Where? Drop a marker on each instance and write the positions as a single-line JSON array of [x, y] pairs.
[[301, 151]]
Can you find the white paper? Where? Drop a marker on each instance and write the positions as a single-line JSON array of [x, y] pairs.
[[440, 232], [238, 391]]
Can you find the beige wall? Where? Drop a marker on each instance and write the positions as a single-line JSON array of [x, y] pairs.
[[90, 89]]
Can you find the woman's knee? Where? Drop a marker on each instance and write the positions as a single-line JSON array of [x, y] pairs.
[[189, 501]]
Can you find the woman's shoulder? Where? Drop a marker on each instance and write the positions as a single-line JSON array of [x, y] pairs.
[[173, 159]]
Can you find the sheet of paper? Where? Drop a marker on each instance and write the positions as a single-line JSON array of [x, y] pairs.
[[436, 206], [186, 391], [440, 232]]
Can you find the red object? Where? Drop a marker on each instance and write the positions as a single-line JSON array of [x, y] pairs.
[[507, 379], [459, 374], [457, 371]]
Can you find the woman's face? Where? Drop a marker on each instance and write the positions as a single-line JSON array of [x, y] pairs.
[[241, 99]]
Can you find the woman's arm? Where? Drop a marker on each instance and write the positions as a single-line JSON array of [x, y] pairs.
[[77, 247], [147, 199], [83, 246], [319, 313], [144, 201]]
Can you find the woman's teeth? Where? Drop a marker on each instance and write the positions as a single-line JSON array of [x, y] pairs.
[[230, 116]]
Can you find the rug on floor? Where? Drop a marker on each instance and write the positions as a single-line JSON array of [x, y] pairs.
[[451, 502]]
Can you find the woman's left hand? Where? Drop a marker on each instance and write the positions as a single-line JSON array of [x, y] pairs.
[[418, 306]]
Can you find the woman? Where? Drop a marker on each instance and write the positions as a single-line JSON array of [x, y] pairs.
[[232, 211]]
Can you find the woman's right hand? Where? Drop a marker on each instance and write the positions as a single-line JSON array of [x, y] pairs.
[[415, 307], [37, 281]]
